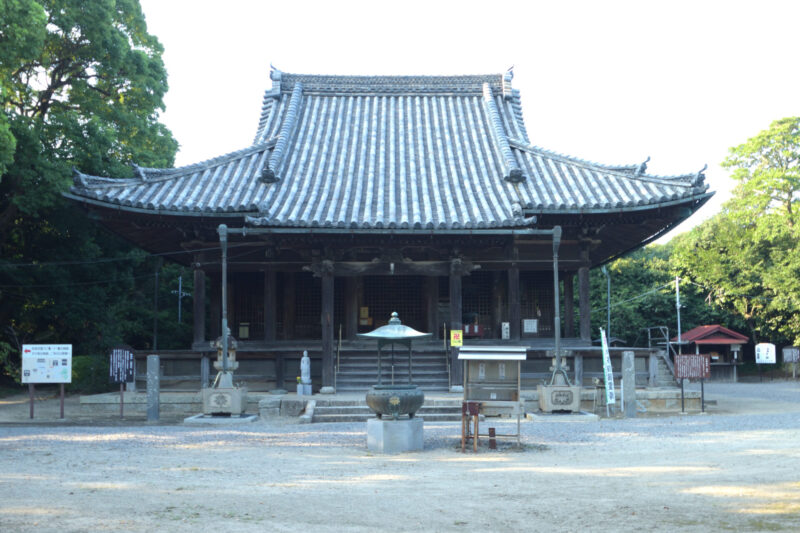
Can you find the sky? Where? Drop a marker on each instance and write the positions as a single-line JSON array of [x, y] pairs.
[[609, 81]]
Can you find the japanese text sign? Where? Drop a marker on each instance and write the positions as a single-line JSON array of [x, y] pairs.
[[692, 366], [47, 363]]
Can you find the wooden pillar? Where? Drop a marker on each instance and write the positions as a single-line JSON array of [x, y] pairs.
[[199, 306], [497, 304], [288, 305], [216, 306], [569, 305], [327, 328], [270, 304], [456, 368], [432, 304], [279, 371], [350, 308], [583, 296], [514, 312]]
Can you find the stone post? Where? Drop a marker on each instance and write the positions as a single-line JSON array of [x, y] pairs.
[[153, 387], [629, 383], [652, 370]]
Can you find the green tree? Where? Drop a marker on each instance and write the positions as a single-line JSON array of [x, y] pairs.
[[767, 168], [747, 255], [82, 85]]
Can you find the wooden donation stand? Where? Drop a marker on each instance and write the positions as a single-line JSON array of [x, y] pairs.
[[491, 386]]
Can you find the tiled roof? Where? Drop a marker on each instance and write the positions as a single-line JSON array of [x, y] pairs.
[[713, 334], [391, 152]]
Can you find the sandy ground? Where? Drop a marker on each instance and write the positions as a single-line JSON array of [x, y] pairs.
[[735, 469]]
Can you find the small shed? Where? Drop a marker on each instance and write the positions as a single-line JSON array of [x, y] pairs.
[[723, 345], [492, 377]]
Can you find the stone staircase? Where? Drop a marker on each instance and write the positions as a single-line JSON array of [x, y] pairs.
[[358, 370], [664, 377], [355, 410]]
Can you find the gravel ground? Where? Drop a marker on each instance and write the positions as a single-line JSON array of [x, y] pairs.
[[735, 468]]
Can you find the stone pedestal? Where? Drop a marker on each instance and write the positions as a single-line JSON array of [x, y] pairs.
[[394, 436], [224, 401], [303, 389], [559, 398]]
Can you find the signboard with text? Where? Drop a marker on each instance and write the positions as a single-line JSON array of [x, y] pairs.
[[765, 353], [608, 371], [47, 363], [791, 354], [692, 366], [121, 365], [456, 337]]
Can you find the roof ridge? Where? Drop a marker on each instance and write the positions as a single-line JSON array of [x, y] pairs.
[[155, 174], [627, 171], [284, 82]]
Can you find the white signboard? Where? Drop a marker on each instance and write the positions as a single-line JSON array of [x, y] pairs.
[[530, 325], [47, 363], [765, 353], [608, 372]]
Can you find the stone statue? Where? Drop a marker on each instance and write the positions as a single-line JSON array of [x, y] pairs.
[[305, 369]]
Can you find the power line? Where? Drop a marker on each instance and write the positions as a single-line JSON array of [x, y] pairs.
[[117, 259]]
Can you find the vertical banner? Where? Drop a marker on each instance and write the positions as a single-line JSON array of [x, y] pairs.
[[608, 372]]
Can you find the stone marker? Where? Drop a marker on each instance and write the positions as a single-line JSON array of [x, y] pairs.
[[629, 383], [153, 388]]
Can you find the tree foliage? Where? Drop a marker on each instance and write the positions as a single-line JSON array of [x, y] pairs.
[[82, 85], [747, 255]]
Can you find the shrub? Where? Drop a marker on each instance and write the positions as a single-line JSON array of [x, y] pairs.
[[89, 374]]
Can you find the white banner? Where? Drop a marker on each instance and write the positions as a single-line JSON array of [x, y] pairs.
[[608, 372]]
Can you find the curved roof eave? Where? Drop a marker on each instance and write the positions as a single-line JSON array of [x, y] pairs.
[[621, 209]]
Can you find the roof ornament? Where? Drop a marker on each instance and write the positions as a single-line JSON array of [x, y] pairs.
[[274, 73], [268, 175], [139, 172], [508, 92], [79, 178], [643, 167], [699, 178]]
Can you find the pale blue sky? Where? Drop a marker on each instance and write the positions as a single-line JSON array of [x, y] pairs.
[[613, 82]]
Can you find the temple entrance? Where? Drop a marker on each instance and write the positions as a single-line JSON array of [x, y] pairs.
[[383, 295]]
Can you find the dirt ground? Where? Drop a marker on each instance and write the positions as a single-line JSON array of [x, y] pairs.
[[736, 468]]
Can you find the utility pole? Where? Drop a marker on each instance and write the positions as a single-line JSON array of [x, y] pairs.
[[678, 310], [180, 294]]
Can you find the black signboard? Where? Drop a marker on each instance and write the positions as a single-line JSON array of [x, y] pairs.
[[121, 365]]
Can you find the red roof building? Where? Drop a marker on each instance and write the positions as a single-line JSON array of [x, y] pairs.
[[721, 344]]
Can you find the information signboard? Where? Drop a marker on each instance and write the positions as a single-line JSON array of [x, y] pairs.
[[456, 337], [47, 363], [692, 366], [765, 353], [121, 364], [791, 354]]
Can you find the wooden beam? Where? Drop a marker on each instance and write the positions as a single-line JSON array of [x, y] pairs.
[[288, 305], [456, 317], [584, 306], [216, 307], [514, 308], [199, 306], [327, 330], [432, 304], [270, 304], [497, 304], [350, 308], [569, 304]]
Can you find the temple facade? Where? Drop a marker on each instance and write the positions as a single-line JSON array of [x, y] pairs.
[[360, 196]]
